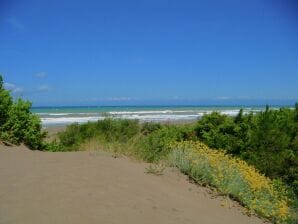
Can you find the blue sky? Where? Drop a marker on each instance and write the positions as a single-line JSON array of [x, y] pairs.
[[150, 52]]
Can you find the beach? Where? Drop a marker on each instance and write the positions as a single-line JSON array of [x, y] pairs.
[[140, 112], [95, 187]]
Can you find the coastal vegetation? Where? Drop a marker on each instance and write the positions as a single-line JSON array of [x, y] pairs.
[[181, 146], [267, 140], [234, 178], [17, 123], [251, 158]]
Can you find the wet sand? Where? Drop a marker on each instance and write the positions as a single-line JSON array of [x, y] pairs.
[[93, 187]]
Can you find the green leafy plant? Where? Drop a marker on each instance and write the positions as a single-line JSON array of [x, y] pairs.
[[17, 123]]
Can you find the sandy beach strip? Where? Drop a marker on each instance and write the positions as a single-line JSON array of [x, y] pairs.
[[94, 187]]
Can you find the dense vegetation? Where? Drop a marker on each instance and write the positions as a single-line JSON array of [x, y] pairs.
[[17, 123], [154, 142], [233, 177], [148, 141], [267, 140]]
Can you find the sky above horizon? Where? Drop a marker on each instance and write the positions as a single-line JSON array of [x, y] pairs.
[[150, 52]]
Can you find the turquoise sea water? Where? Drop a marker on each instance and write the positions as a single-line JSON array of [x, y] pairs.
[[65, 115]]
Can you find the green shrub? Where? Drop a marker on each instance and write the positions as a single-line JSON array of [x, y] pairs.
[[17, 123], [54, 146], [266, 140], [119, 130], [71, 137], [148, 141], [107, 130], [149, 127], [5, 104], [221, 131], [155, 146], [233, 177]]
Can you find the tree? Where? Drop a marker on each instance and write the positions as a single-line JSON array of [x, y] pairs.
[[5, 103], [239, 117], [296, 112], [17, 123], [268, 140]]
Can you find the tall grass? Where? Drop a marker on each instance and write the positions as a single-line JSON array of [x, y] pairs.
[[148, 141]]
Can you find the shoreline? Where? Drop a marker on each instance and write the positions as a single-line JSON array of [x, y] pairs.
[[51, 116]]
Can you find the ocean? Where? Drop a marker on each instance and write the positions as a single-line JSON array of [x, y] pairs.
[[58, 116]]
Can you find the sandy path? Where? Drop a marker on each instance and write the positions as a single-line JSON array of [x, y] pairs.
[[83, 187]]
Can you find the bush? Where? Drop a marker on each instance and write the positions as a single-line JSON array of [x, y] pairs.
[[233, 177], [71, 137], [17, 123], [221, 131], [149, 127], [107, 130], [5, 103], [155, 146], [267, 140], [148, 141], [119, 130]]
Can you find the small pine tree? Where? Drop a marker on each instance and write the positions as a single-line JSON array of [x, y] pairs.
[[239, 117]]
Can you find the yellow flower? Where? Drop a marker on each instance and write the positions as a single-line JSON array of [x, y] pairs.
[[233, 176]]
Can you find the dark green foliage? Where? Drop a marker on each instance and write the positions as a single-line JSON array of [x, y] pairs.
[[5, 103], [149, 127], [17, 123], [71, 137], [267, 140], [155, 146], [119, 130], [221, 131], [109, 130], [54, 146], [296, 112]]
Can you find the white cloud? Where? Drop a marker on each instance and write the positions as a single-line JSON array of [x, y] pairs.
[[44, 88], [118, 98], [176, 98], [13, 88], [15, 23], [223, 98], [41, 74], [108, 99]]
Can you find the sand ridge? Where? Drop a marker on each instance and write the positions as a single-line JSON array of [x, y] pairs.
[[93, 187]]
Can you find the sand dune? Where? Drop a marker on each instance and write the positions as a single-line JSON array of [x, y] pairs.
[[93, 187]]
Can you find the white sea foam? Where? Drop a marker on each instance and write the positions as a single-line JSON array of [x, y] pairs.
[[54, 114], [64, 114], [230, 112], [68, 120], [159, 117], [150, 112], [144, 116]]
